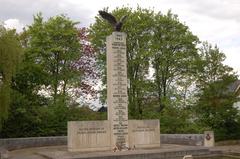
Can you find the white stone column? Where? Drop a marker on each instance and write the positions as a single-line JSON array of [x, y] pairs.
[[117, 98]]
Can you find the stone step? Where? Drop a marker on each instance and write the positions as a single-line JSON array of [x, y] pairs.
[[135, 154]]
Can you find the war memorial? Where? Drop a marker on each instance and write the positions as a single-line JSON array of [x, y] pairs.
[[117, 132]]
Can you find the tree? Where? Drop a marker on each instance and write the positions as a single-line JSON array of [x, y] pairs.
[[173, 55], [10, 55], [214, 107], [38, 111], [210, 65], [87, 65], [54, 47]]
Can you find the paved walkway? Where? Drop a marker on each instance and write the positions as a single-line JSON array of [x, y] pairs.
[[229, 149], [61, 151], [33, 153]]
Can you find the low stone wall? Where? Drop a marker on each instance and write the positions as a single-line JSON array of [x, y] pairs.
[[19, 143], [183, 139], [227, 142]]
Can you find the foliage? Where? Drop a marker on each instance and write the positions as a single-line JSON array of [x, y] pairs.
[[174, 54], [210, 65], [35, 107], [10, 54], [178, 121], [87, 66], [54, 47], [214, 108], [33, 120]]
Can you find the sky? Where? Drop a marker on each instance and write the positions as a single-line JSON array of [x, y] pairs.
[[215, 21]]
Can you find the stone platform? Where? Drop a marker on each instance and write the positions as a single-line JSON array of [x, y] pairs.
[[60, 152]]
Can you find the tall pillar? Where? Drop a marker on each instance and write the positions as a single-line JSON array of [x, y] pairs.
[[117, 98]]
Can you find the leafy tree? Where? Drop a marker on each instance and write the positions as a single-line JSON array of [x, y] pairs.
[[174, 53], [210, 65], [10, 53], [54, 47], [214, 108], [87, 65], [34, 76], [33, 107], [176, 120]]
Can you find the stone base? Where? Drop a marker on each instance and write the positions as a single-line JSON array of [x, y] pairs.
[[144, 133], [96, 135], [90, 149], [88, 135]]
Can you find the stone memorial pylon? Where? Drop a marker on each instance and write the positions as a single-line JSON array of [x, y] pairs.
[[117, 132], [117, 99]]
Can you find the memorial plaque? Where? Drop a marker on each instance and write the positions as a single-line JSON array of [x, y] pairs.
[[144, 133], [88, 135], [209, 140], [117, 98]]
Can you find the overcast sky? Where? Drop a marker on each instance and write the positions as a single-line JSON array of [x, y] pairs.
[[215, 21]]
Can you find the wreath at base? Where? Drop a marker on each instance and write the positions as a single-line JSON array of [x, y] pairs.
[[208, 137]]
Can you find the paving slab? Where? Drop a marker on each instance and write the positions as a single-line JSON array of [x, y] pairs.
[[60, 152], [166, 150]]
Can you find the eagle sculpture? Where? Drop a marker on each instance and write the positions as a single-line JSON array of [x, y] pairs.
[[117, 25]]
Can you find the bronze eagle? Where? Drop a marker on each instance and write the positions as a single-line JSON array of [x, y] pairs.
[[117, 25]]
